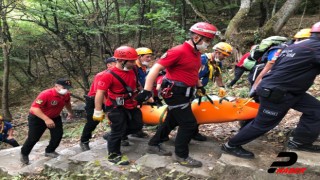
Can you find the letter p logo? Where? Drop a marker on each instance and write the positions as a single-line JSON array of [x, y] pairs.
[[293, 157]]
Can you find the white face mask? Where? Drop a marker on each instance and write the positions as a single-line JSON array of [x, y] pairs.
[[63, 91], [126, 69], [145, 63], [203, 46], [216, 59]]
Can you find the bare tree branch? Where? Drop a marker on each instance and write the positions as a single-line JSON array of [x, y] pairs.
[[196, 11]]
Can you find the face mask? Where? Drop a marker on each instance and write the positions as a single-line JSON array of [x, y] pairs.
[[63, 91], [216, 59], [126, 69], [145, 63], [203, 46], [124, 66]]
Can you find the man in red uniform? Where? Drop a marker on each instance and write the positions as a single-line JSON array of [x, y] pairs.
[[182, 64], [91, 124], [141, 68], [120, 83], [45, 113]]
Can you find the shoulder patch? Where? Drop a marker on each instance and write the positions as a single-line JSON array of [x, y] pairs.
[[101, 83], [39, 101], [163, 56]]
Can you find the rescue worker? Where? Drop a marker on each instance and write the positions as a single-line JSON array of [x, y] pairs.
[[211, 70], [143, 63], [239, 70], [271, 56], [45, 113], [302, 34], [221, 51], [120, 83], [91, 125], [6, 133], [262, 53], [282, 88], [182, 64], [274, 54], [206, 69], [141, 68]]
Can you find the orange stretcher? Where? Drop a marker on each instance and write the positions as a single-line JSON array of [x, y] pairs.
[[230, 109]]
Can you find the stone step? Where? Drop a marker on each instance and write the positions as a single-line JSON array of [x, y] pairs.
[[216, 164], [11, 164], [209, 153], [142, 162], [61, 163]]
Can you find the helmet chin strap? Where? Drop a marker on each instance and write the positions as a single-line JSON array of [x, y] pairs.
[[195, 43], [125, 62]]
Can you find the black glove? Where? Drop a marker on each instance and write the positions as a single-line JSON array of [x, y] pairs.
[[143, 96], [201, 91]]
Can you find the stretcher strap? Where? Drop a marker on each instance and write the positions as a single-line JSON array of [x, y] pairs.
[[184, 105], [164, 112]]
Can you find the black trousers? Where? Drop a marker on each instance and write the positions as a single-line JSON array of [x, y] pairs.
[[12, 142], [36, 128], [123, 122], [90, 125], [270, 114], [182, 117], [238, 71]]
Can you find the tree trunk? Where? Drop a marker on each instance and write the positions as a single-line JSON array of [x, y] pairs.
[[5, 39], [140, 22], [275, 24], [183, 15], [263, 11], [118, 37], [235, 22], [29, 66]]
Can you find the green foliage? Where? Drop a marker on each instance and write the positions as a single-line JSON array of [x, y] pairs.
[[19, 177], [162, 19], [72, 130]]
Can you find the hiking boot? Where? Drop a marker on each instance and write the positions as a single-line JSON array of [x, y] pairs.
[[199, 137], [125, 142], [237, 151], [158, 149], [140, 134], [84, 146], [106, 136], [303, 147], [188, 162], [118, 159], [51, 154], [24, 159]]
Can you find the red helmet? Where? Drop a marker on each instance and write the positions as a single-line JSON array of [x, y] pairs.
[[204, 29], [316, 28], [125, 53]]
